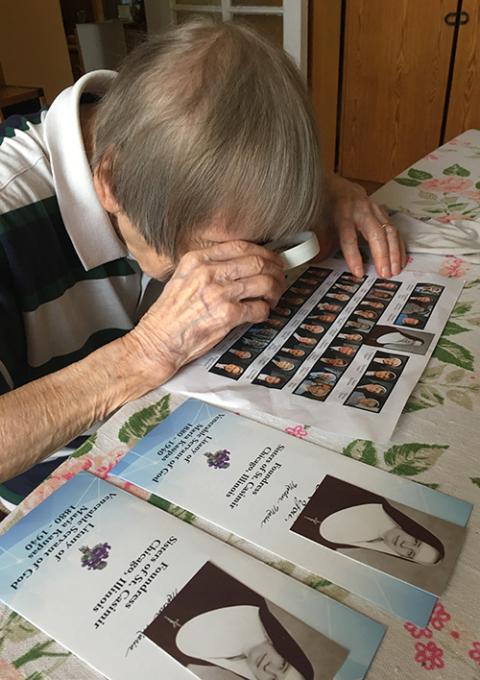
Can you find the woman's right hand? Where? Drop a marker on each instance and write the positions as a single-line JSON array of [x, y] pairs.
[[212, 291]]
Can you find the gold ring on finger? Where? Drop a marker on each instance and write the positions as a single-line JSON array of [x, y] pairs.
[[386, 225]]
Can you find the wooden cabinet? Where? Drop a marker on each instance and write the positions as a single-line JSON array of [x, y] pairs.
[[33, 47], [406, 80]]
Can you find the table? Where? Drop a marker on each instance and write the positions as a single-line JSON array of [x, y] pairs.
[[435, 443]]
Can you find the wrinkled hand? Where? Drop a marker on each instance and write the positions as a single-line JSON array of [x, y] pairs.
[[212, 291], [354, 214]]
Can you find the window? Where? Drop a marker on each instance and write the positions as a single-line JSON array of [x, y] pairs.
[[284, 22]]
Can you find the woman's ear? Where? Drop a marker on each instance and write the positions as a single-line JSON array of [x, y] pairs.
[[101, 182]]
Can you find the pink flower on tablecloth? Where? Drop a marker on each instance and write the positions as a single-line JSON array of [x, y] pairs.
[[452, 217], [473, 195], [416, 632], [431, 157], [9, 672], [439, 617], [42, 492], [102, 463], [430, 656], [451, 184], [297, 431], [474, 653], [453, 267], [71, 467], [131, 488]]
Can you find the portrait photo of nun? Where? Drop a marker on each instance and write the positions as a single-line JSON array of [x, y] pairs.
[[397, 539], [399, 339], [220, 629]]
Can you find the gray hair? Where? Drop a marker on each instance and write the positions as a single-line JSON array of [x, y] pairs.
[[209, 121]]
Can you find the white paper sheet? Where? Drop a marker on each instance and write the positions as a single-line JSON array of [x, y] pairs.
[[337, 353]]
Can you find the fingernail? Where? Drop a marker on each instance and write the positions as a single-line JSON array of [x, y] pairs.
[[358, 272], [386, 272]]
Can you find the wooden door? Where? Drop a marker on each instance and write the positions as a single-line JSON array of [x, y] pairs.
[[396, 62], [464, 103]]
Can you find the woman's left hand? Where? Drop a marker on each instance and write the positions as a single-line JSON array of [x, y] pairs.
[[353, 214]]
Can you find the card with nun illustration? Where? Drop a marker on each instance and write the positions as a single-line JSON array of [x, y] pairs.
[[220, 628], [137, 593], [406, 543], [378, 535]]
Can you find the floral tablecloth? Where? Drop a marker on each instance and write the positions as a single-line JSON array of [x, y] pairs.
[[435, 443]]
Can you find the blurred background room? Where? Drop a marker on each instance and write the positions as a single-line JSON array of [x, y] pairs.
[[390, 80]]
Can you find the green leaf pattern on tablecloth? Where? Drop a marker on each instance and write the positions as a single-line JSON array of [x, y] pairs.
[[141, 423], [453, 353], [453, 328], [412, 459], [86, 447], [401, 459], [419, 174], [176, 510], [461, 309], [458, 170], [407, 182], [476, 481], [14, 632], [362, 450], [439, 384]]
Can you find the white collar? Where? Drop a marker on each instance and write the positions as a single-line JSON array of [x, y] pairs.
[[87, 224], [223, 637]]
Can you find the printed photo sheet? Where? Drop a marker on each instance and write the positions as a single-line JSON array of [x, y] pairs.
[[339, 353], [385, 538], [137, 593]]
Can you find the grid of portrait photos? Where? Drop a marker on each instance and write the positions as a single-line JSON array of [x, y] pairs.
[[259, 336], [420, 305], [329, 368], [377, 382]]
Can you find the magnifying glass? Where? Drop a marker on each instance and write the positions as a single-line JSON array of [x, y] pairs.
[[295, 250]]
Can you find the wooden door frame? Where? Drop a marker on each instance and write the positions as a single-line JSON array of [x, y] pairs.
[[325, 20]]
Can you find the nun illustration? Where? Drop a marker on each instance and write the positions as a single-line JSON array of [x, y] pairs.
[[399, 340], [236, 639], [222, 630], [346, 518]]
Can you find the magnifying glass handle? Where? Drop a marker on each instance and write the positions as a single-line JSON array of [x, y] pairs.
[[296, 250]]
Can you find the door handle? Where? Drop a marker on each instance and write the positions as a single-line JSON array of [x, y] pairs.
[[451, 18]]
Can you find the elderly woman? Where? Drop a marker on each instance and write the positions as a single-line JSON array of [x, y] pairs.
[[201, 148]]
